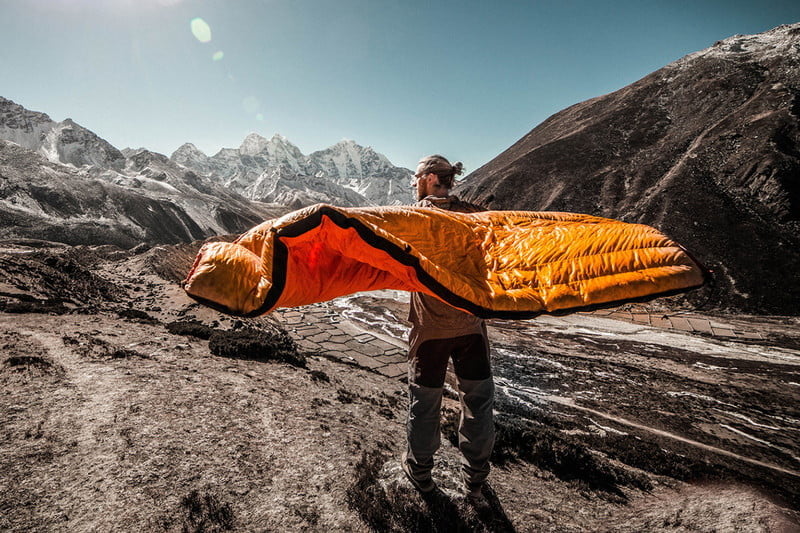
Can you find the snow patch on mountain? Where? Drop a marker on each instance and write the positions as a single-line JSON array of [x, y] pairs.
[[63, 142], [62, 182], [275, 170], [66, 176], [21, 126], [777, 43]]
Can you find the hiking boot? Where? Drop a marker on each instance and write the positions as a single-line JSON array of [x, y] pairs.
[[423, 485], [474, 490], [476, 498]]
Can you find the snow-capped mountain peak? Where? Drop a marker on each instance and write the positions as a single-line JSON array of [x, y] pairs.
[[254, 144], [190, 156], [270, 169], [190, 149], [22, 126], [62, 182], [60, 142]]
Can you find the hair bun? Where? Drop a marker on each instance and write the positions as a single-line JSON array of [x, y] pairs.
[[458, 168]]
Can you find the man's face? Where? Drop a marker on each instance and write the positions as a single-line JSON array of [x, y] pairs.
[[429, 185]]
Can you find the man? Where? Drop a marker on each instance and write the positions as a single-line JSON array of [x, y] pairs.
[[440, 332]]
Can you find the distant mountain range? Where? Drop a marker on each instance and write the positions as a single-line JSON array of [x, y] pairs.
[[707, 149], [60, 181], [275, 170]]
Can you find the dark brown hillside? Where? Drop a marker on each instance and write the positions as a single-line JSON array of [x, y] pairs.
[[707, 149]]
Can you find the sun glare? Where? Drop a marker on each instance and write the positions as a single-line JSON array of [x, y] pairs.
[[201, 30], [103, 5]]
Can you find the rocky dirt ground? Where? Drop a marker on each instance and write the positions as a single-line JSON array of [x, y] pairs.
[[125, 406]]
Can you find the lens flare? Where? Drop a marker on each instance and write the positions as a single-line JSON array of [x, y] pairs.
[[251, 104], [201, 30], [218, 55], [259, 117]]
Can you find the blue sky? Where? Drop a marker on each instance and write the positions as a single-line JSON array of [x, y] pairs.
[[463, 78]]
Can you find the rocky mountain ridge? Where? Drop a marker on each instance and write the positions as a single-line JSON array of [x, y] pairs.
[[60, 142], [275, 170], [40, 199], [60, 181], [707, 149]]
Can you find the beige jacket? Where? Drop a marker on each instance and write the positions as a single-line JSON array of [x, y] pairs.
[[430, 317]]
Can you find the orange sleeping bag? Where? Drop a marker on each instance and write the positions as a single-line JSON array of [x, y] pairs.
[[501, 264]]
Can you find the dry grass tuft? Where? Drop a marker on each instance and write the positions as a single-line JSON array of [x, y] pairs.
[[136, 315], [50, 306], [256, 345], [206, 513], [651, 457], [31, 365], [190, 328], [567, 458], [319, 375]]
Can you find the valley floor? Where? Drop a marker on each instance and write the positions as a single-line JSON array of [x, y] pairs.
[[118, 413]]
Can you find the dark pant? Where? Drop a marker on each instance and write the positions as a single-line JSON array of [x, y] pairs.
[[427, 370], [470, 355]]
